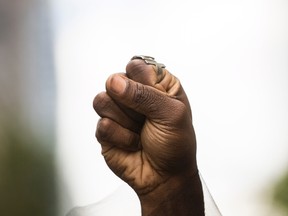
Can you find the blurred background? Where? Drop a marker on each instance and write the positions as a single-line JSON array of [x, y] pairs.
[[232, 59], [27, 109]]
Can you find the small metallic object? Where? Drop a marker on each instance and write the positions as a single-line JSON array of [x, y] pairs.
[[150, 61]]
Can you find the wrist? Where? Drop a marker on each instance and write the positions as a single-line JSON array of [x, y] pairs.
[[178, 195]]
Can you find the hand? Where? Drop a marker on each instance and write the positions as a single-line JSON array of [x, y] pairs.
[[148, 140]]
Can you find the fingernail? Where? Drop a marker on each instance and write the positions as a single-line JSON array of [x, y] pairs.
[[117, 84]]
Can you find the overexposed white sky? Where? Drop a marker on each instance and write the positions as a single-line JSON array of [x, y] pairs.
[[232, 59]]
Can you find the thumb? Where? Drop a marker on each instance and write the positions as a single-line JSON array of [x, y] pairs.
[[157, 76], [144, 99], [146, 70], [154, 75]]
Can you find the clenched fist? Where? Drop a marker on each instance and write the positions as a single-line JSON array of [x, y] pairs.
[[148, 140]]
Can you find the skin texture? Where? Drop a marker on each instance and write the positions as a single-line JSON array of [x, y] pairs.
[[148, 140]]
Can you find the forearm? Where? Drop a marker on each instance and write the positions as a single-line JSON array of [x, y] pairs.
[[181, 197]]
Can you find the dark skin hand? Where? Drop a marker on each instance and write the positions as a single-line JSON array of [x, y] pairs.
[[148, 140]]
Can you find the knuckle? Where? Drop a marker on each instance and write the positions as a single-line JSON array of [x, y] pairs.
[[139, 71], [143, 97], [103, 127], [135, 67], [180, 114], [101, 102], [139, 94], [148, 100]]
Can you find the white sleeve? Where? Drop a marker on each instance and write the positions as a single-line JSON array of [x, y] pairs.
[[211, 208], [124, 202]]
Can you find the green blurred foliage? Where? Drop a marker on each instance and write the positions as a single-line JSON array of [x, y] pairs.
[[27, 180], [280, 195]]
